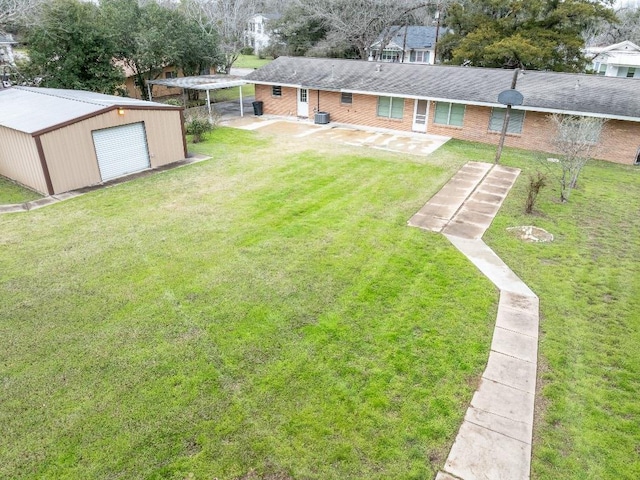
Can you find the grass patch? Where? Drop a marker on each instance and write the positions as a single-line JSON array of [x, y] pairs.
[[11, 192], [251, 61], [267, 312], [587, 423], [232, 93]]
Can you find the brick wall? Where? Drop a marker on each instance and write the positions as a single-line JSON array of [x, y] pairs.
[[619, 140]]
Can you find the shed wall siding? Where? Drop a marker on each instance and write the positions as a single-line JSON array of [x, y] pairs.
[[619, 141], [71, 155], [19, 159]]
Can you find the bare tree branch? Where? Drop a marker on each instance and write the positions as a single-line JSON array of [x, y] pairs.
[[576, 139]]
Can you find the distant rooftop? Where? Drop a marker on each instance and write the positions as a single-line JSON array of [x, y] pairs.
[[410, 37]]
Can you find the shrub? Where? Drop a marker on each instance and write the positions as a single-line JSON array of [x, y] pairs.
[[198, 126], [247, 51], [536, 183]]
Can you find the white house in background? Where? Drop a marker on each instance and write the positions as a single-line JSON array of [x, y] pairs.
[[405, 44], [258, 34], [618, 60], [6, 49]]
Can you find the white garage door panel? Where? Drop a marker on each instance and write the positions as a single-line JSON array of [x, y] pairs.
[[121, 150]]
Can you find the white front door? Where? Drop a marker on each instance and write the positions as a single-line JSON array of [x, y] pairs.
[[303, 102], [420, 114]]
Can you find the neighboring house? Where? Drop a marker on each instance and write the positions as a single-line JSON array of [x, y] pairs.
[[258, 34], [54, 140], [459, 102], [618, 60], [406, 44], [159, 91], [6, 49]]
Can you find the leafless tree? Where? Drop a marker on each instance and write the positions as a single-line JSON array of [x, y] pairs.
[[17, 12], [576, 139], [358, 23], [607, 33], [228, 19]]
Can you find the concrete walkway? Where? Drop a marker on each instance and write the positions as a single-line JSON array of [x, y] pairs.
[[494, 441]]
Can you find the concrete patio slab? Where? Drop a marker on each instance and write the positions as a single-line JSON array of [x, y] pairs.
[[444, 205], [482, 454]]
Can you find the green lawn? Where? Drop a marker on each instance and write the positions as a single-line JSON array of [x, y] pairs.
[[266, 313], [228, 94], [588, 407], [11, 192], [251, 61]]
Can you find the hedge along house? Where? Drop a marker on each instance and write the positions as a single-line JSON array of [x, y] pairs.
[[459, 102], [54, 140]]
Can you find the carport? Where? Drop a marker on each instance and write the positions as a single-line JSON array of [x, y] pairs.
[[203, 82]]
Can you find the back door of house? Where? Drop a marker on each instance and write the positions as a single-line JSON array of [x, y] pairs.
[[121, 150], [303, 102], [420, 114]]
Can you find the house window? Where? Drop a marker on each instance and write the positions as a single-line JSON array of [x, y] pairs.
[[449, 114], [631, 72], [346, 98], [276, 91], [637, 162], [205, 71], [603, 69], [389, 55], [170, 75], [419, 56], [516, 120], [390, 107]]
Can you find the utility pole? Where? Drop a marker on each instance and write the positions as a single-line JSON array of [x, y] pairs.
[[435, 41]]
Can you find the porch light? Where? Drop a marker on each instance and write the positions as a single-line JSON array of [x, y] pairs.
[[120, 111]]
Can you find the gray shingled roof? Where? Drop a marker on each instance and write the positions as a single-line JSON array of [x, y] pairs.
[[32, 109], [594, 95], [418, 36]]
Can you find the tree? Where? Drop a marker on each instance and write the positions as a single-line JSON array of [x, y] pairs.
[[356, 24], [70, 48], [228, 19], [576, 138], [295, 33], [623, 27], [14, 13], [152, 37], [533, 34]]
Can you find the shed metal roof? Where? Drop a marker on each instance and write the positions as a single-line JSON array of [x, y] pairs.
[[591, 95], [33, 109]]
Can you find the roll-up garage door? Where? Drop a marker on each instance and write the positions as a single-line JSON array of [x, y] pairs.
[[121, 150]]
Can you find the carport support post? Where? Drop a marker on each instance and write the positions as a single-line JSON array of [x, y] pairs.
[[149, 92], [209, 104], [241, 106]]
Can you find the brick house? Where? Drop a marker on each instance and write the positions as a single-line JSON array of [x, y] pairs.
[[458, 102]]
